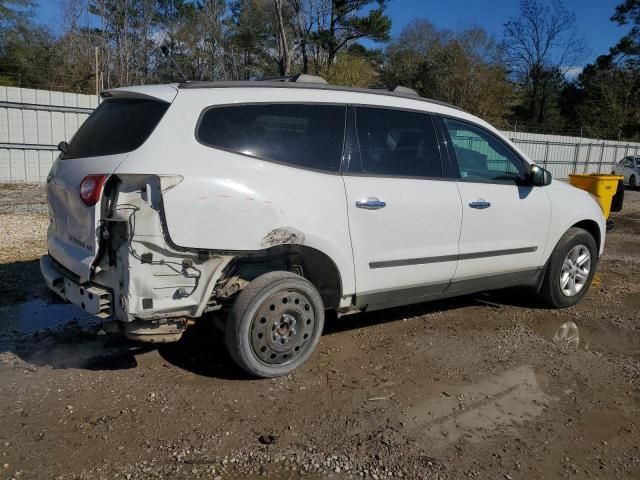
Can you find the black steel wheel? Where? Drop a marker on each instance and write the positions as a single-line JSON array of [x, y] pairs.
[[275, 324]]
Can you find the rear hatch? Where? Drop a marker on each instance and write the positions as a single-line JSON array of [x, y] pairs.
[[120, 125]]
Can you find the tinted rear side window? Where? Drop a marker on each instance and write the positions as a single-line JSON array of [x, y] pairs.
[[116, 126], [309, 136], [396, 143]]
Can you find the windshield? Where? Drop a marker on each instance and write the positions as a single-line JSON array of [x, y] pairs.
[[116, 126]]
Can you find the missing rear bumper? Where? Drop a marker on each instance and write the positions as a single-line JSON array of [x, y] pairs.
[[93, 299]]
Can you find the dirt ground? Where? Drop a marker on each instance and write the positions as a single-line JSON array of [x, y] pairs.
[[471, 387]]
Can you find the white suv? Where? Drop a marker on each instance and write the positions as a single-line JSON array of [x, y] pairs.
[[270, 202]]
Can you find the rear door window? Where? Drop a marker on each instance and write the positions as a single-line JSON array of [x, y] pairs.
[[116, 126], [396, 143], [302, 135]]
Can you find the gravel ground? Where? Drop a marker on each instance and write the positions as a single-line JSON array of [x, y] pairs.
[[472, 387], [23, 236], [23, 198]]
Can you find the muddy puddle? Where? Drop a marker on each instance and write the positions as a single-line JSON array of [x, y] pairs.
[[36, 316], [482, 409], [46, 332], [601, 336], [39, 314], [626, 223]]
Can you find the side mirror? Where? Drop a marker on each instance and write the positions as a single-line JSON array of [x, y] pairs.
[[539, 176], [63, 147]]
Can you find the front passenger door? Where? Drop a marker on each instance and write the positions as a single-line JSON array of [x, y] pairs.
[[505, 223]]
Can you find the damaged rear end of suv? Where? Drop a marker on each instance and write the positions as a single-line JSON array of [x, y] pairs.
[[108, 251], [160, 214]]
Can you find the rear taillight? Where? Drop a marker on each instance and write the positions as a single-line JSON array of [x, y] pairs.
[[91, 188]]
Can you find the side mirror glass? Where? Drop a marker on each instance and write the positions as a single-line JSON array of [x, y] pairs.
[[63, 147], [539, 176]]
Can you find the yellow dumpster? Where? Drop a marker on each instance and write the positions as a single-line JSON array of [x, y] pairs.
[[603, 187]]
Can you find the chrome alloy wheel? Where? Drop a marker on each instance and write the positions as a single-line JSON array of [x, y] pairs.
[[282, 327], [575, 270]]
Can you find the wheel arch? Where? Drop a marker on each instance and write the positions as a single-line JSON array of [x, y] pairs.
[[592, 227], [323, 273], [309, 262]]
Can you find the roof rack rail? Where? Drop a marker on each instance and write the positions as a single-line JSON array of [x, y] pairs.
[[405, 90], [397, 89], [299, 78]]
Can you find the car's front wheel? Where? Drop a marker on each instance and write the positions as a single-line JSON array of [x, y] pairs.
[[570, 269], [275, 324]]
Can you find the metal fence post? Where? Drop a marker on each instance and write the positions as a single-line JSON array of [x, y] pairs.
[[601, 156], [575, 158], [546, 155], [586, 162]]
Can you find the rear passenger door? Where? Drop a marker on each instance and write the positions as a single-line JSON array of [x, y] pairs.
[[505, 222], [404, 217]]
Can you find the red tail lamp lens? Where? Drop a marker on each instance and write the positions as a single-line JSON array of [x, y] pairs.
[[91, 188]]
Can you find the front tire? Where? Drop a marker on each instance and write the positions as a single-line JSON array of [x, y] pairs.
[[275, 324], [570, 269], [633, 183]]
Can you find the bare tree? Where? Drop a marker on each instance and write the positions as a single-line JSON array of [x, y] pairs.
[[284, 57], [544, 35], [302, 24], [541, 46]]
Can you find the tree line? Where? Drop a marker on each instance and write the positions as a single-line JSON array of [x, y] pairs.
[[532, 78]]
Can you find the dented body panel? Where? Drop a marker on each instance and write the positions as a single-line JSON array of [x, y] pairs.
[[73, 228], [151, 279], [148, 279]]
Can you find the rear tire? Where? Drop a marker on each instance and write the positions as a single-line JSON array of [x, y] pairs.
[[570, 269], [633, 183], [275, 324]]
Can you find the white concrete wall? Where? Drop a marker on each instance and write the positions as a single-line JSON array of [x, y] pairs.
[[33, 122]]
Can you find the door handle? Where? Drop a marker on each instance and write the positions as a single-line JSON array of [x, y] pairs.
[[480, 204], [371, 203]]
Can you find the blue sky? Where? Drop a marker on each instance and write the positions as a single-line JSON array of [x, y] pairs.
[[592, 17]]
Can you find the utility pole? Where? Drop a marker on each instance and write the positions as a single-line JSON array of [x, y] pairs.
[[97, 75]]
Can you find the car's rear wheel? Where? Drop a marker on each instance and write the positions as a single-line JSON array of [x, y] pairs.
[[633, 183], [570, 269], [275, 324]]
